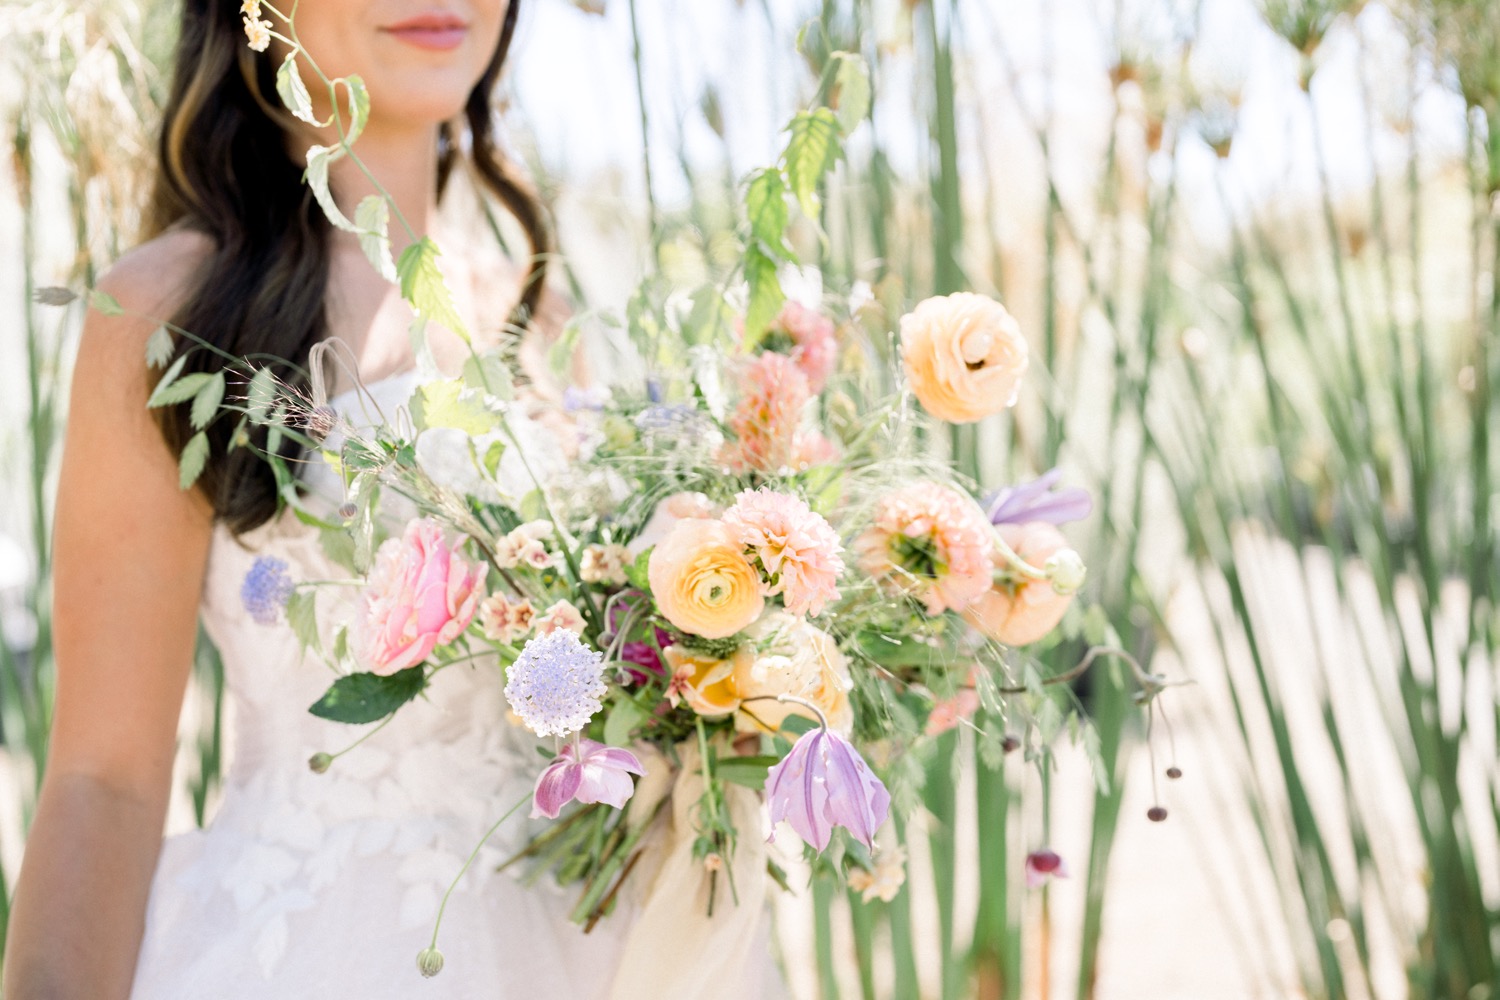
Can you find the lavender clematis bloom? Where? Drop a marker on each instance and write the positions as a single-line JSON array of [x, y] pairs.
[[1036, 501], [824, 783], [587, 771]]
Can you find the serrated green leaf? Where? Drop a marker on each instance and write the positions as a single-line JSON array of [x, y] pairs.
[[192, 460], [766, 296], [160, 347], [293, 91], [765, 208], [359, 107], [423, 287], [180, 391], [302, 615], [260, 394], [488, 373], [361, 698], [373, 216], [105, 303], [853, 82], [447, 404], [206, 401], [810, 153], [316, 176]]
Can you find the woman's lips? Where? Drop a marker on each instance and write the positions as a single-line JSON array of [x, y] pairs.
[[434, 32]]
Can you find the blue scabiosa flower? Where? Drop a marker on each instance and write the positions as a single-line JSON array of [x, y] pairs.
[[266, 590], [556, 684]]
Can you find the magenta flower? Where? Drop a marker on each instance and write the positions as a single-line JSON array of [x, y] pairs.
[[1043, 866], [587, 771], [824, 783]]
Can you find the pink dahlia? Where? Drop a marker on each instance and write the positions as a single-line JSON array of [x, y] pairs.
[[798, 551], [932, 542], [809, 338], [774, 393]]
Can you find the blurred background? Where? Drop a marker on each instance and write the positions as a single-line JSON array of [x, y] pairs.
[[1253, 246]]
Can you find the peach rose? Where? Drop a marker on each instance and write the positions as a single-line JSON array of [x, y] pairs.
[[792, 657], [701, 581], [705, 683], [1023, 610], [964, 356], [421, 594]]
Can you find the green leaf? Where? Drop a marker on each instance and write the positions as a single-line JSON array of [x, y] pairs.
[[160, 347], [560, 354], [747, 771], [192, 460], [766, 296], [636, 572], [302, 615], [338, 546], [447, 404], [206, 400], [853, 82], [105, 303], [422, 285], [179, 391], [492, 456], [810, 153], [359, 107], [260, 395], [1049, 721], [623, 718], [166, 380], [316, 175], [710, 320], [488, 373], [361, 698], [293, 91], [373, 218], [765, 208]]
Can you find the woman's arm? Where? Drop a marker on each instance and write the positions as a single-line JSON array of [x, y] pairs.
[[129, 554]]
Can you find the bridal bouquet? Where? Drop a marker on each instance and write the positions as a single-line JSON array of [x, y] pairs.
[[748, 558]]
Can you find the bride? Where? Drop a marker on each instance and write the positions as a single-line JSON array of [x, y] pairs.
[[304, 885]]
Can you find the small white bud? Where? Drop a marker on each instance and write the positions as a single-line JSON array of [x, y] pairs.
[[430, 962], [1066, 571]]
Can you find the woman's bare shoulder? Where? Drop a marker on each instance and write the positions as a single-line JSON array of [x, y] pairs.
[[157, 274]]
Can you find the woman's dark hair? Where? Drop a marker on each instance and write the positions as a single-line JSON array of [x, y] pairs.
[[225, 170]]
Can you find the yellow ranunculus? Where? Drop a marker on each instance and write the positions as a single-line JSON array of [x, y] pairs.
[[964, 356], [792, 657], [705, 683], [702, 582]]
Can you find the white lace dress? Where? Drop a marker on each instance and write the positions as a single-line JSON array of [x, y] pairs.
[[326, 886]]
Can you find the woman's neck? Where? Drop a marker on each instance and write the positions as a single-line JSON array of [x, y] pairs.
[[405, 163]]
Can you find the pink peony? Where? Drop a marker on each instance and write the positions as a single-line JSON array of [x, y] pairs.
[[814, 342], [1021, 610], [421, 594], [798, 550], [932, 542], [774, 393]]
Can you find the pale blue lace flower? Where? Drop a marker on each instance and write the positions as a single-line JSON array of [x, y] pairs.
[[556, 684], [266, 590]]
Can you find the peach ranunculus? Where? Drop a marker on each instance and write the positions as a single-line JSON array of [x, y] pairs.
[[701, 581], [796, 658], [964, 356], [1022, 610], [421, 594], [932, 542], [706, 683]]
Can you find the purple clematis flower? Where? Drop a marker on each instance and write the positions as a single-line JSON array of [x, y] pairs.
[[587, 771], [824, 783], [1036, 501]]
